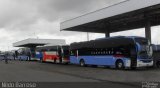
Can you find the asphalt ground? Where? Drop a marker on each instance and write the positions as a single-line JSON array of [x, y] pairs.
[[25, 71]]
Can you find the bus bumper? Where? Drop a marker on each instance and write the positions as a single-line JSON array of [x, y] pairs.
[[144, 64]]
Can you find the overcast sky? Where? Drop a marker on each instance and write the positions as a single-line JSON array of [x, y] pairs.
[[22, 19]]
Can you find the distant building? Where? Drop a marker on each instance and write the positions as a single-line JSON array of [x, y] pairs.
[[38, 42]]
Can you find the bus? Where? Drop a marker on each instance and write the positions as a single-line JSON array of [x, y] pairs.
[[39, 54], [24, 54], [55, 54], [118, 52]]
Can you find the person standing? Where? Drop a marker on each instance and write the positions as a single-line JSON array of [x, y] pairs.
[[29, 56], [6, 58], [16, 54]]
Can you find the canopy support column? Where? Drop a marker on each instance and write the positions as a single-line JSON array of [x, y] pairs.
[[107, 34], [148, 30]]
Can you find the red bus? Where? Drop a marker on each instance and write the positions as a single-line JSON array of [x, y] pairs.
[[55, 54]]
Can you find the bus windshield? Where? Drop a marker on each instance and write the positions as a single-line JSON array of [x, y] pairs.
[[146, 48]]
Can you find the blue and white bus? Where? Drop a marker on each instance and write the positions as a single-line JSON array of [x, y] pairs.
[[39, 54], [24, 54], [118, 52]]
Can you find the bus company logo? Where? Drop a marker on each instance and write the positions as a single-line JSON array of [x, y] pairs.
[[150, 84]]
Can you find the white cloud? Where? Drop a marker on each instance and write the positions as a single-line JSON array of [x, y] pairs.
[[21, 19], [156, 35]]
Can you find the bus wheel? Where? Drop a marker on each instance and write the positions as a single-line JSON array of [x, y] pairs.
[[158, 64], [119, 64], [82, 63]]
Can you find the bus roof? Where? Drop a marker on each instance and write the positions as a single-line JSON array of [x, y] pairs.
[[121, 37], [105, 42], [50, 47]]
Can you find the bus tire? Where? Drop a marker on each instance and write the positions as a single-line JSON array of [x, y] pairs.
[[82, 63], [158, 64], [119, 64]]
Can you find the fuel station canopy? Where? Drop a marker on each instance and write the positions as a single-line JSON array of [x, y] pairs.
[[126, 15]]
